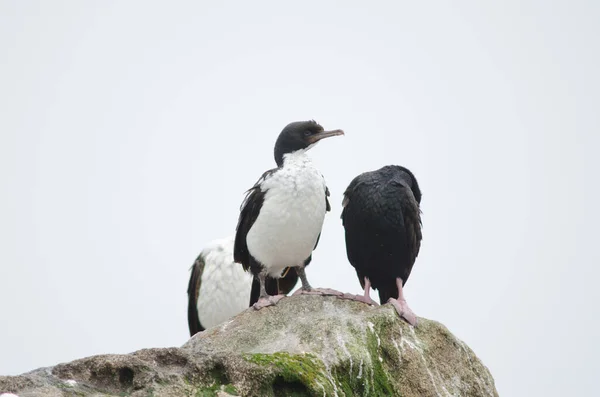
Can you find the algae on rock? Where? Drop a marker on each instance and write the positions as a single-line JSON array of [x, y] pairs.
[[303, 346]]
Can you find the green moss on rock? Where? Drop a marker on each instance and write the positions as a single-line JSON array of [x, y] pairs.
[[297, 373], [230, 389], [300, 374], [382, 385]]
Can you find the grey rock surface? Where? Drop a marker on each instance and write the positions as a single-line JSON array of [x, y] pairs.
[[304, 346]]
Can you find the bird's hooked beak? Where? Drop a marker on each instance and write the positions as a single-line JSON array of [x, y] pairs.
[[324, 134]]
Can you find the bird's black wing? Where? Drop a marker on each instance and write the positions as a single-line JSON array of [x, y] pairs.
[[412, 223], [327, 209], [249, 211], [349, 193], [411, 215], [193, 290], [357, 181]]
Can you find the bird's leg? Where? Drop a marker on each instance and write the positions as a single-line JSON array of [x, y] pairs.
[[366, 298], [308, 290], [401, 306], [264, 298], [367, 288], [305, 285]]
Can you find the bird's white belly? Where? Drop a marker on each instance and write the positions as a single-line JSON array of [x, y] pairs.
[[290, 221]]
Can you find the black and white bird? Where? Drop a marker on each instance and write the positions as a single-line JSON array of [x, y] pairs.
[[219, 288], [382, 221], [282, 215]]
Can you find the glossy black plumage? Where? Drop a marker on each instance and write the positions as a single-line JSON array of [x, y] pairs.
[[249, 211], [382, 222], [194, 286]]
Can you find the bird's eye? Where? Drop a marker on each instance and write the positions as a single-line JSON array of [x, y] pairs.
[[307, 132]]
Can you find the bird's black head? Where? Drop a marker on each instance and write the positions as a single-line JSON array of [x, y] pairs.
[[414, 185], [300, 135], [405, 175]]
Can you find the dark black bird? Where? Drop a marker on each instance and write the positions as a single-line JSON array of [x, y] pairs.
[[219, 288], [382, 222], [281, 218]]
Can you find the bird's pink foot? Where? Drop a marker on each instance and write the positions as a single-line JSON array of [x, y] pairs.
[[267, 301], [318, 291], [404, 311], [359, 298]]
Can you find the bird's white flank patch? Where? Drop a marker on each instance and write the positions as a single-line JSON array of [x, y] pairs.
[[225, 288]]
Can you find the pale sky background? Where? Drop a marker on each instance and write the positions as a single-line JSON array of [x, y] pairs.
[[129, 132]]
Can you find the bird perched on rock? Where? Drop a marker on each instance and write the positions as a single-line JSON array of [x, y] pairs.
[[219, 288], [282, 215], [382, 222]]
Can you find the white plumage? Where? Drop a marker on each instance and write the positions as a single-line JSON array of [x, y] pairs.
[[291, 217], [225, 288]]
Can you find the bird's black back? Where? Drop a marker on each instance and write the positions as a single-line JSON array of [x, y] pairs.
[[382, 223]]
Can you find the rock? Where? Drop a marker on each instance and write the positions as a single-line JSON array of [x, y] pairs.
[[304, 346]]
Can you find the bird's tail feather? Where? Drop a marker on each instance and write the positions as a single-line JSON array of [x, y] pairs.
[[386, 293]]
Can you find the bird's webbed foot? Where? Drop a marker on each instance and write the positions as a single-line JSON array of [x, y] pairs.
[[404, 311], [359, 298], [266, 301], [366, 298]]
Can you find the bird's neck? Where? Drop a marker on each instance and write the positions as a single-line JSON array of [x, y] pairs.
[[295, 159], [281, 153]]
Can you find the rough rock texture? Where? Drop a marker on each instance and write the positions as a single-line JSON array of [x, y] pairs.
[[304, 346]]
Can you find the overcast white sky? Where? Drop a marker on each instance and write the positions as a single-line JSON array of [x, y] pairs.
[[130, 130]]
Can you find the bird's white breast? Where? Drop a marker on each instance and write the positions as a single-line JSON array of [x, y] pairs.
[[225, 288], [291, 217]]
